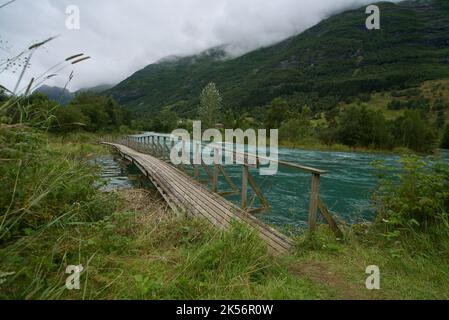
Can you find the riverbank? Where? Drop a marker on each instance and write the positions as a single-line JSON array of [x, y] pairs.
[[144, 252], [132, 247], [344, 148], [315, 145]]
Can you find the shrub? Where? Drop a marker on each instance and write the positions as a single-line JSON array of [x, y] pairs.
[[365, 97], [43, 185], [394, 105], [360, 126], [413, 132], [417, 198]]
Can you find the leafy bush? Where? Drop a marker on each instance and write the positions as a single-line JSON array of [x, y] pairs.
[[366, 128], [277, 112], [394, 105], [365, 97], [298, 128], [415, 199], [165, 121], [90, 112], [413, 132]]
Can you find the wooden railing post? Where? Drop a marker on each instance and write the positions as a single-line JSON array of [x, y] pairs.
[[245, 175], [314, 193], [164, 144], [196, 156], [153, 146], [147, 144], [158, 152], [184, 155], [330, 220], [217, 161]]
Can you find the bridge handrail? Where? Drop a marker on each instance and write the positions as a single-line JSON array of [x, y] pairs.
[[315, 201], [245, 154]]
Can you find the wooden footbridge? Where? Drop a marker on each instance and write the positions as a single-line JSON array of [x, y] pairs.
[[184, 191]]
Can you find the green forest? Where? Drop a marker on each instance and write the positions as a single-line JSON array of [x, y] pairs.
[[352, 126], [357, 126]]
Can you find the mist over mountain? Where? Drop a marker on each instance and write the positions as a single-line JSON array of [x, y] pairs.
[[96, 89], [56, 94], [335, 59], [126, 36]]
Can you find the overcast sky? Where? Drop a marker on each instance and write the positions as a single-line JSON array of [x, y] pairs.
[[125, 36]]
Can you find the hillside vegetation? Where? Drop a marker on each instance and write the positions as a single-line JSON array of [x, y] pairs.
[[336, 83], [54, 214], [337, 59]]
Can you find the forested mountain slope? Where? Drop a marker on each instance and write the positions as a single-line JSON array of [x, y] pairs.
[[336, 59]]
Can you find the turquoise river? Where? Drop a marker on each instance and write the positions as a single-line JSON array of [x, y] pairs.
[[346, 188]]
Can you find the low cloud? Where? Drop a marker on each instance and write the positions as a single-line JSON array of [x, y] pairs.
[[125, 36]]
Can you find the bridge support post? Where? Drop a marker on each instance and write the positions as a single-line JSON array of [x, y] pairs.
[[217, 162], [147, 144], [164, 145], [314, 192], [196, 159], [153, 147], [245, 175]]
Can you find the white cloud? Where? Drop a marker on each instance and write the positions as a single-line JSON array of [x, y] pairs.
[[125, 36]]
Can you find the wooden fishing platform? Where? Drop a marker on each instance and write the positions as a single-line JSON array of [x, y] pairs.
[[185, 194]]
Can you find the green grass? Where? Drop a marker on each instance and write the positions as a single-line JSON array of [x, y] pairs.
[[335, 59], [411, 267], [54, 215], [82, 144], [129, 255], [153, 255]]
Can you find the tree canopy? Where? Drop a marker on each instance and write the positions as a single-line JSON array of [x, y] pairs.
[[210, 106], [91, 112]]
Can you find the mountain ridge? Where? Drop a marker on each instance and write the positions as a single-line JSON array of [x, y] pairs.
[[333, 60], [60, 95]]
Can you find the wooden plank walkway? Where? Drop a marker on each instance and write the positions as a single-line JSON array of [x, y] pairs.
[[185, 194]]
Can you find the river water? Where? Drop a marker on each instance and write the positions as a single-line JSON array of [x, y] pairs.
[[118, 174], [346, 188]]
